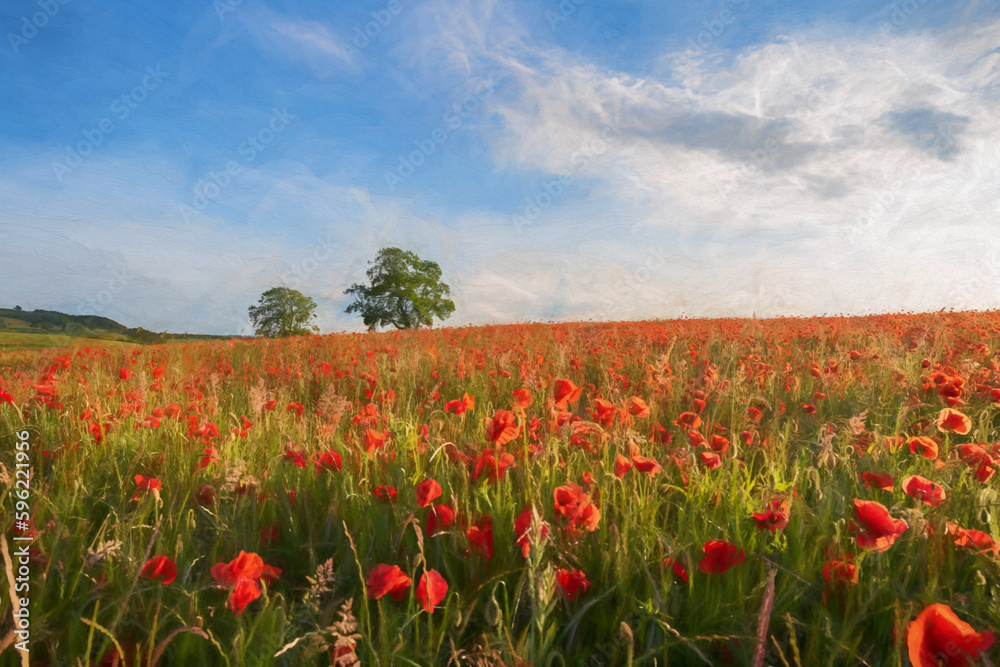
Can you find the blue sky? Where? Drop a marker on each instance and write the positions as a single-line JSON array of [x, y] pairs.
[[164, 164]]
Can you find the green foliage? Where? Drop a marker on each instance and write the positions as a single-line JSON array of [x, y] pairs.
[[282, 312], [405, 292]]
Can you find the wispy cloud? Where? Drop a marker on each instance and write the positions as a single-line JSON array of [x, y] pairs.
[[300, 40]]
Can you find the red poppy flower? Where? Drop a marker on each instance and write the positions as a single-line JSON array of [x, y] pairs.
[[572, 503], [710, 459], [878, 480], [923, 489], [566, 392], [245, 565], [754, 414], [696, 439], [976, 540], [637, 407], [502, 428], [939, 637], [878, 530], [622, 466], [374, 440], [775, 517], [840, 573], [211, 456], [718, 443], [523, 399], [588, 517], [160, 567], [244, 573], [295, 407], [295, 457], [809, 409], [679, 570], [427, 492], [124, 373], [147, 484], [480, 536], [644, 464], [661, 435], [720, 556], [493, 464], [923, 446], [572, 582], [604, 412], [522, 529], [459, 407], [98, 430], [439, 516], [688, 420], [385, 493], [979, 460], [244, 592], [955, 421], [431, 590], [387, 580], [327, 460]]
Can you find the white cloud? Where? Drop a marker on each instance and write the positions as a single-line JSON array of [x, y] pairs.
[[312, 42], [858, 164]]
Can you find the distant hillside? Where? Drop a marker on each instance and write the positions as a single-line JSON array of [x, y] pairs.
[[85, 326]]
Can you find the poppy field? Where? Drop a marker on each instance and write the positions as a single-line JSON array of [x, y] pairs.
[[807, 492]]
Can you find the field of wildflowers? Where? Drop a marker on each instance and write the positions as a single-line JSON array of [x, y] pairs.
[[795, 491]]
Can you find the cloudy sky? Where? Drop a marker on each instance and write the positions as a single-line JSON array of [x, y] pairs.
[[165, 163]]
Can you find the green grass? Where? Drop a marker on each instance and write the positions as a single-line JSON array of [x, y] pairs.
[[507, 610]]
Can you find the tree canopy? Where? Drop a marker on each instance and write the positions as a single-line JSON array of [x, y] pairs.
[[405, 292], [283, 311]]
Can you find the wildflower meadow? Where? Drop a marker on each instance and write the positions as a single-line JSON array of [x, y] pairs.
[[803, 492]]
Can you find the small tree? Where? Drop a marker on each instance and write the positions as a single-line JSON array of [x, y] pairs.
[[405, 292], [281, 312]]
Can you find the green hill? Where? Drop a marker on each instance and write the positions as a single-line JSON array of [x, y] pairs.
[[16, 324]]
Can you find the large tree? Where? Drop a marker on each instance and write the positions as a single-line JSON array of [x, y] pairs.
[[282, 311], [405, 291]]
